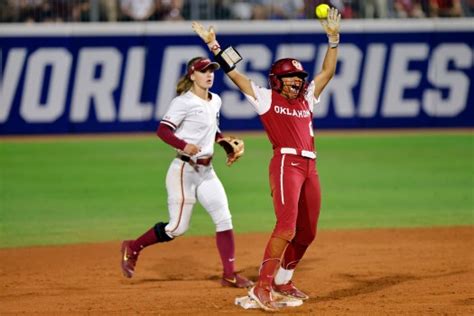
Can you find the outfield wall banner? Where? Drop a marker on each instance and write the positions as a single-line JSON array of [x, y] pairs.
[[76, 78]]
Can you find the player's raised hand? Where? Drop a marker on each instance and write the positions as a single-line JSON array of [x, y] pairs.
[[208, 35], [332, 23]]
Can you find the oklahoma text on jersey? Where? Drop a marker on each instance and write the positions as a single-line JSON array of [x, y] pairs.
[[291, 112]]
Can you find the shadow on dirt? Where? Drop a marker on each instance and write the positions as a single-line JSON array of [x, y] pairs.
[[362, 285]]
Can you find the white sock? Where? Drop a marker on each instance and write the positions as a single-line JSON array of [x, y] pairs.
[[283, 276]]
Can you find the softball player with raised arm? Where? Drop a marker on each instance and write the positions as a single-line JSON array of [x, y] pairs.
[[286, 113], [191, 127]]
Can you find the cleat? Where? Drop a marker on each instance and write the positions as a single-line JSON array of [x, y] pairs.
[[289, 290], [237, 281], [263, 296], [129, 259]]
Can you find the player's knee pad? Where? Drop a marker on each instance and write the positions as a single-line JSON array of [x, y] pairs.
[[160, 232], [286, 234], [223, 225]]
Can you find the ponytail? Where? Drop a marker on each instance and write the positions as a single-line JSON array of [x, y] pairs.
[[184, 84]]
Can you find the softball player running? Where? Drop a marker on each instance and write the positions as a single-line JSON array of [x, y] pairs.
[[191, 126], [286, 113]]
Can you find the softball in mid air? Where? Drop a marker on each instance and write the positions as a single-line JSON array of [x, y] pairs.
[[322, 11]]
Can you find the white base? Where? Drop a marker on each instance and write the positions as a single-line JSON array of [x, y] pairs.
[[247, 302]]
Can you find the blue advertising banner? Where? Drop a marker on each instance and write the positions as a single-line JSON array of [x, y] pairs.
[[106, 78]]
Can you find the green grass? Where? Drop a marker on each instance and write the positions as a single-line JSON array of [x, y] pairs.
[[88, 190]]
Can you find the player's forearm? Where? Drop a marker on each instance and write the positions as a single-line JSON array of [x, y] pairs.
[[327, 72], [330, 62], [227, 58], [215, 48], [166, 134], [239, 79], [331, 25]]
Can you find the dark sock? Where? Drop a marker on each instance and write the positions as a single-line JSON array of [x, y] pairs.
[[226, 247], [145, 240]]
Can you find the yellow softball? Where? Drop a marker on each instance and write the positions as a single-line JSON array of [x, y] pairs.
[[321, 11]]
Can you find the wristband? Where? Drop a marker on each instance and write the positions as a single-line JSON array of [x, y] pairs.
[[333, 40], [228, 58], [213, 46]]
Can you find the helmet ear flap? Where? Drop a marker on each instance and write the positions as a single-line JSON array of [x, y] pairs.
[[275, 83]]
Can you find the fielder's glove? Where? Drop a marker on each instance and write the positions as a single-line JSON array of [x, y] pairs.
[[234, 148]]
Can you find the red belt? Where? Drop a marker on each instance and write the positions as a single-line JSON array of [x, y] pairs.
[[200, 161], [204, 161]]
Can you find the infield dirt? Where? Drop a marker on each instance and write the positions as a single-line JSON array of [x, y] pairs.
[[353, 272]]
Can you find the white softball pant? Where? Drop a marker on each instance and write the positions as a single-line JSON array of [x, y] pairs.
[[186, 185]]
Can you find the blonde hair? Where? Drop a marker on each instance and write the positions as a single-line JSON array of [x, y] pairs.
[[185, 83]]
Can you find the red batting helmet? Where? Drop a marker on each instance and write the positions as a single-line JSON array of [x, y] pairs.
[[283, 68]]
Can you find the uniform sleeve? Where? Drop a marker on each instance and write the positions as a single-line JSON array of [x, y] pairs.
[[263, 98], [309, 96], [175, 114], [165, 132]]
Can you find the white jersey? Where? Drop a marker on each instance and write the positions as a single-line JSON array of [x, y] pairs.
[[195, 120]]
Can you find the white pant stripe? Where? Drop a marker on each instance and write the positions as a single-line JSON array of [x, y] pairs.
[[282, 193]]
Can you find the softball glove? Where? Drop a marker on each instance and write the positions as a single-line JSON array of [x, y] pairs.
[[234, 148]]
